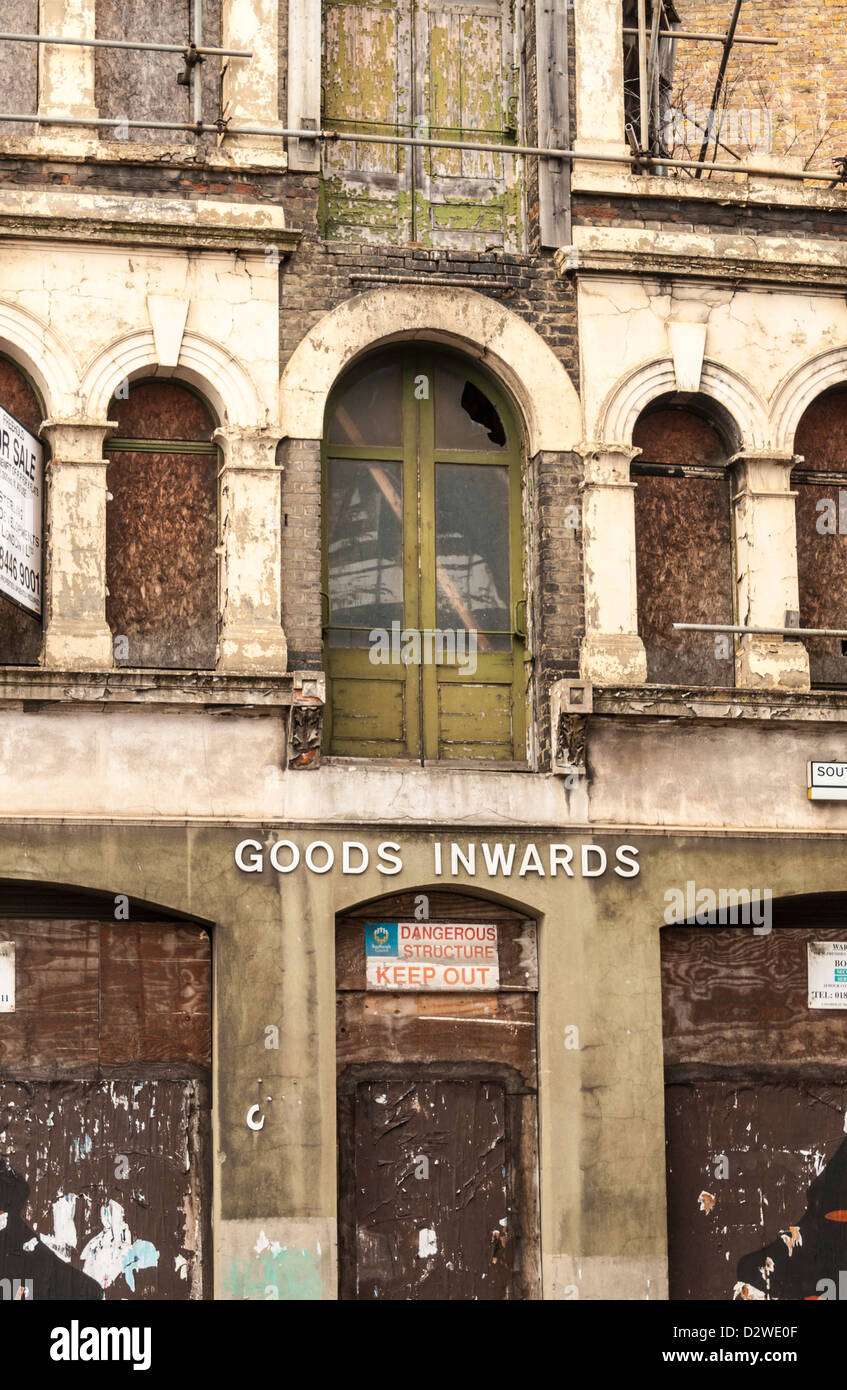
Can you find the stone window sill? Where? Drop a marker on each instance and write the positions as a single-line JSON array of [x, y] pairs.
[[680, 702], [24, 685]]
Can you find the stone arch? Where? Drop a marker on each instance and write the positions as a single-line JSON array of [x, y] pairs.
[[631, 396], [485, 330], [42, 354], [216, 374], [800, 388]]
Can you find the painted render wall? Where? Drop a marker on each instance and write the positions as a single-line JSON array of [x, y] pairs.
[[601, 1105]]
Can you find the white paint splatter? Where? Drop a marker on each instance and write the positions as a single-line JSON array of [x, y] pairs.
[[4, 1220], [427, 1243], [113, 1252], [64, 1238], [181, 1266], [102, 1258], [261, 1244]]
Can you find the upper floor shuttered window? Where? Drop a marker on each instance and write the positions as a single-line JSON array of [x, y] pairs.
[[162, 528], [439, 69]]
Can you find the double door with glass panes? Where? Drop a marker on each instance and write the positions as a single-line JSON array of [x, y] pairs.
[[423, 604]]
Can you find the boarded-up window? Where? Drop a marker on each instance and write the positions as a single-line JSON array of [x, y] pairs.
[[756, 1092], [135, 84], [20, 631], [821, 486], [19, 65], [161, 529], [439, 68], [683, 538], [104, 1110]]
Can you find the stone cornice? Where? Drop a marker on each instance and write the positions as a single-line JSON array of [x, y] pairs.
[[777, 707], [112, 219], [28, 684], [739, 271]]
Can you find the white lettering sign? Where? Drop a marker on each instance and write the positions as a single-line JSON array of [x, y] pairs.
[[21, 489], [7, 977], [827, 974]]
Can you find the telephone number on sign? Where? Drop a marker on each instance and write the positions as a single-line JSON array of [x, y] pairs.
[[24, 575]]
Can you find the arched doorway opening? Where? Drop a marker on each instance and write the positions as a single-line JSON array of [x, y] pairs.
[[424, 611], [437, 1108]]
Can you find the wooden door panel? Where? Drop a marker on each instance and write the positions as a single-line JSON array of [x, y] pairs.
[[104, 1111], [432, 1214], [757, 1189], [102, 1188], [366, 70], [466, 88]]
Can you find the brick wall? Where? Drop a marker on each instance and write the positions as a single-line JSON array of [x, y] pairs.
[[784, 100]]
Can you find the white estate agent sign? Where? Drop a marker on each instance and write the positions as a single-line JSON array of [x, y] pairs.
[[431, 955], [7, 977], [21, 488], [828, 781], [827, 974]]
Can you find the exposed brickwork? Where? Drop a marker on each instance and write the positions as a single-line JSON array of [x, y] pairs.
[[143, 179], [788, 99], [301, 553], [690, 215], [557, 598]]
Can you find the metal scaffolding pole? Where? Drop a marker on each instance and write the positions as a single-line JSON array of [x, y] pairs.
[[727, 49], [181, 48], [223, 127], [761, 631], [712, 38]]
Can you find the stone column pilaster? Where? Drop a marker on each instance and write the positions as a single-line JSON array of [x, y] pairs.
[[77, 636], [598, 29], [766, 570], [66, 73], [251, 85], [251, 639], [612, 652]]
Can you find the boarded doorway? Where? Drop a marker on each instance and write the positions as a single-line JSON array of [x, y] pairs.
[[437, 1118], [104, 1110], [756, 1094]]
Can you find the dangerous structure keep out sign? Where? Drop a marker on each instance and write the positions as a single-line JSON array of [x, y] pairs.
[[431, 956]]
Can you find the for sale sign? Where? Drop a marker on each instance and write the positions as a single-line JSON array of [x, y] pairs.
[[431, 956], [21, 487]]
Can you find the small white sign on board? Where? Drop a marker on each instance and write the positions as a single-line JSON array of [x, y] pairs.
[[827, 974], [21, 491], [7, 977]]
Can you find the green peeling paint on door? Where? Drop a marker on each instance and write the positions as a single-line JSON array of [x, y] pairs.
[[429, 68]]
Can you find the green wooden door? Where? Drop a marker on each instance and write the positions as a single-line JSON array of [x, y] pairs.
[[422, 564], [466, 89], [432, 68]]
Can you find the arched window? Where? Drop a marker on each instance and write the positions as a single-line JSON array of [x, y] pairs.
[[821, 486], [422, 563], [683, 541], [20, 625], [162, 528]]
